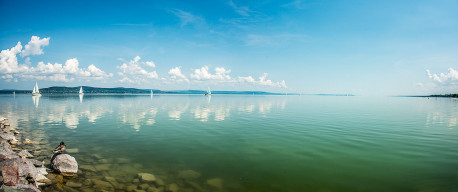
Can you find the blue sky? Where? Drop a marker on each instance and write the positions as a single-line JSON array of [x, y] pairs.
[[359, 47]]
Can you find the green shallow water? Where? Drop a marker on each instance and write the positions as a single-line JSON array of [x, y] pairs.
[[252, 143]]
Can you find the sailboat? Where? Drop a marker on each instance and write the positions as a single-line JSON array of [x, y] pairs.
[[209, 92], [151, 93], [36, 91], [81, 91]]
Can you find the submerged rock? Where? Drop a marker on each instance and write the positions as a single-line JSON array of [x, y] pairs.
[[146, 177], [188, 174], [172, 188], [73, 184], [25, 154], [65, 164], [215, 182], [27, 141]]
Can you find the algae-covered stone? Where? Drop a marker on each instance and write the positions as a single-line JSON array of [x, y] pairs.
[[73, 184], [188, 174], [88, 168], [160, 182], [216, 182], [131, 188], [101, 184], [144, 186], [146, 177], [172, 187]]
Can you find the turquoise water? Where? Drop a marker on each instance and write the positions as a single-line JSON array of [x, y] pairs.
[[252, 143]]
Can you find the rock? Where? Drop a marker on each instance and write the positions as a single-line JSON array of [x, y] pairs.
[[144, 186], [27, 141], [102, 184], [87, 182], [152, 189], [19, 187], [112, 181], [25, 154], [88, 168], [10, 175], [131, 188], [215, 182], [65, 164], [188, 174], [172, 188], [160, 182], [136, 181], [146, 177], [73, 184]]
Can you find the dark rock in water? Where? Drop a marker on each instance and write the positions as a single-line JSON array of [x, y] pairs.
[[19, 187], [10, 175], [65, 164]]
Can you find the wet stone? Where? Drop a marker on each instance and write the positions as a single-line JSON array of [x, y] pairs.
[[131, 188], [146, 177], [188, 174], [135, 181], [73, 184], [172, 188], [160, 182], [216, 183], [88, 168], [144, 186]]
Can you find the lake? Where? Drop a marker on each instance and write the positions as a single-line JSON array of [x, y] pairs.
[[248, 143]]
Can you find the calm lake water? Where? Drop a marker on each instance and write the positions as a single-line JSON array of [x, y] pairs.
[[251, 143]]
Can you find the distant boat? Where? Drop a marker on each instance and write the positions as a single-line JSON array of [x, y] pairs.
[[81, 91], [14, 92], [151, 93], [36, 91], [209, 92]]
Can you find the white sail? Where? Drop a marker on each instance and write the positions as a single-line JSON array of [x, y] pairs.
[[81, 90], [36, 91], [152, 92]]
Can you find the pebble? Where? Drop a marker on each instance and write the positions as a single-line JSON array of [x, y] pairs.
[[146, 177]]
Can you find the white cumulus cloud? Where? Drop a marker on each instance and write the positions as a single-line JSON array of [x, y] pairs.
[[135, 72], [176, 74], [203, 74], [450, 78], [34, 46], [12, 70]]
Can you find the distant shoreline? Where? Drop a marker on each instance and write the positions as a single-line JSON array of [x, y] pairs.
[[122, 90], [445, 95]]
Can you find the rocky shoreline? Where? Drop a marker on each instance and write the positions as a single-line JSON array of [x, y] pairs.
[[44, 170]]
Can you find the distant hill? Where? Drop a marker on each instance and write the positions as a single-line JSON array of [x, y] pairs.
[[122, 90]]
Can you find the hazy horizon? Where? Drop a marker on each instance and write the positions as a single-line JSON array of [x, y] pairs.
[[310, 47]]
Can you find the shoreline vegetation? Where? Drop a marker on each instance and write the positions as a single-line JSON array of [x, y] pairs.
[[444, 95]]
